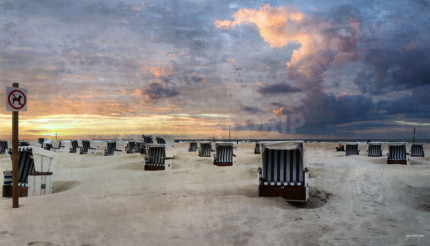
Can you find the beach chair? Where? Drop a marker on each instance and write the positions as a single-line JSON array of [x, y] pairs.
[[85, 147], [131, 147], [374, 149], [48, 146], [205, 149], [110, 150], [193, 147], [283, 172], [224, 155], [156, 159], [34, 166], [351, 149], [417, 150], [397, 154], [147, 139], [74, 147], [3, 147], [23, 143], [257, 148]]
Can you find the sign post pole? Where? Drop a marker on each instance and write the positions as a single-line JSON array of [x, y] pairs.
[[15, 156]]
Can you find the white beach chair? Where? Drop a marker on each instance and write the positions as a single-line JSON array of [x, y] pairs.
[[205, 149], [156, 159], [193, 147], [257, 148], [397, 154], [351, 149], [374, 149], [417, 150], [283, 172]]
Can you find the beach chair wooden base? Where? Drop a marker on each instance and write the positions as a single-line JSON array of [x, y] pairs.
[[417, 155], [374, 155], [402, 162], [7, 191], [257, 152], [154, 168], [223, 164], [204, 156], [289, 193], [143, 151]]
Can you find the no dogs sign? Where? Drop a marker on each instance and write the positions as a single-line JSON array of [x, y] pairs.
[[16, 99]]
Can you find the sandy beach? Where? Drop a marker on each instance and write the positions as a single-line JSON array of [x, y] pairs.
[[98, 200]]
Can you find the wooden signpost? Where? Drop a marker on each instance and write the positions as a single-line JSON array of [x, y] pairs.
[[16, 100]]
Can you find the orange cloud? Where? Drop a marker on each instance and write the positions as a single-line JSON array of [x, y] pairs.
[[278, 27], [159, 71]]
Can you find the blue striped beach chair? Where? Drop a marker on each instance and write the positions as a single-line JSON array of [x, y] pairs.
[[224, 155], [41, 141], [205, 149], [147, 139], [131, 147], [193, 147], [417, 150], [283, 172], [351, 149], [257, 148], [374, 149], [397, 154], [3, 147], [156, 159], [74, 147], [85, 147]]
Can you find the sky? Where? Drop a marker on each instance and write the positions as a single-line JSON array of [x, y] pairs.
[[195, 69]]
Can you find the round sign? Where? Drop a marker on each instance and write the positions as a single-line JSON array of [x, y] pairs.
[[16, 99]]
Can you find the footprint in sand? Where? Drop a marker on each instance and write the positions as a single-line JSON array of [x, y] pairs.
[[39, 243]]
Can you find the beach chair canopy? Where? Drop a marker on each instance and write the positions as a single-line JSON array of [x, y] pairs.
[[160, 140], [147, 139], [156, 155], [374, 149], [417, 150], [224, 152], [396, 151], [283, 162], [193, 146]]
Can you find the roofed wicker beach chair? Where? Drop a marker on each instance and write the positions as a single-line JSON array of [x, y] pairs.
[[283, 172], [57, 145], [257, 148], [352, 149], [74, 147], [374, 149], [224, 155], [205, 149], [48, 146], [41, 141], [131, 147], [156, 159], [147, 139], [397, 154], [193, 147], [417, 150], [85, 147], [110, 150], [3, 146]]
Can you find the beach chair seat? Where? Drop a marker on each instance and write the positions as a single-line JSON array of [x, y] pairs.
[[417, 150], [224, 154], [110, 149], [283, 172], [397, 154], [374, 150]]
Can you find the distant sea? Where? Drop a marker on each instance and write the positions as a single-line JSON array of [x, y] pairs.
[[311, 140]]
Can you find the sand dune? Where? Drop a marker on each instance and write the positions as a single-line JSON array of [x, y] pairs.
[[101, 200]]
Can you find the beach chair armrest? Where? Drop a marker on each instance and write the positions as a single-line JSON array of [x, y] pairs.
[[168, 158], [234, 155]]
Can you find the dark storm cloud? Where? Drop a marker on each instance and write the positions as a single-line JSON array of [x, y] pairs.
[[157, 91], [252, 110], [280, 88]]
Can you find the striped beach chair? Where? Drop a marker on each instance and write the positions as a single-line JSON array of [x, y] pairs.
[[257, 148], [85, 147], [351, 149], [224, 155], [3, 146], [147, 139], [74, 147], [156, 159], [374, 150], [41, 141], [283, 172], [205, 149], [131, 147], [110, 150], [397, 154], [417, 150], [193, 147]]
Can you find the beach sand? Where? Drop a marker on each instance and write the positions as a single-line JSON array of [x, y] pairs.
[[98, 200]]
